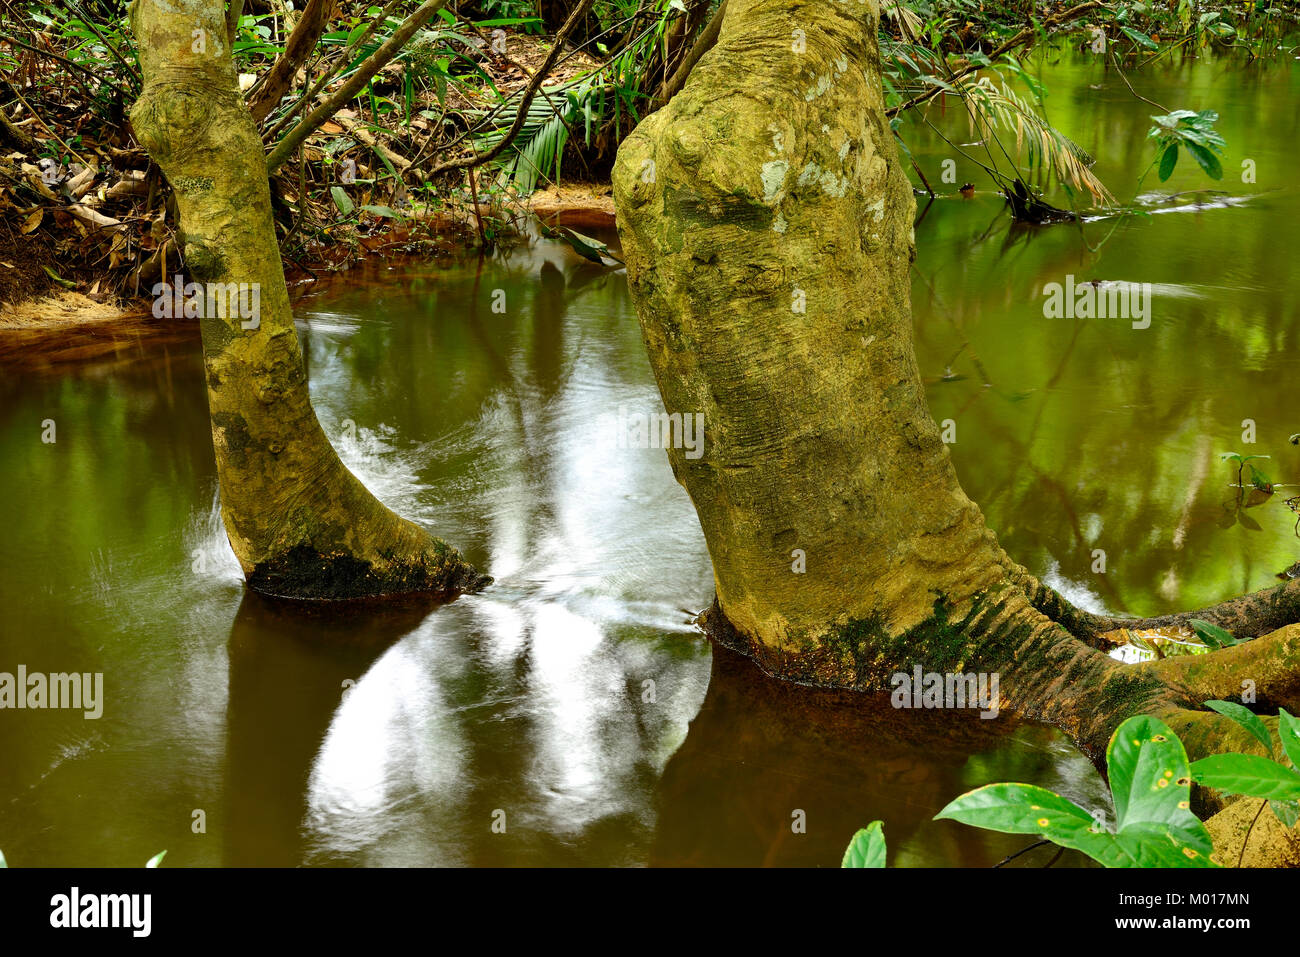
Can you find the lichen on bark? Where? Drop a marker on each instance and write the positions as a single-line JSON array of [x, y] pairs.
[[767, 226]]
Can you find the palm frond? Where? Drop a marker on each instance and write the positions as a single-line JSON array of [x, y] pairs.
[[897, 12], [535, 152]]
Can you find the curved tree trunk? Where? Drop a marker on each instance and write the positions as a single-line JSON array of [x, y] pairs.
[[300, 523], [767, 225]]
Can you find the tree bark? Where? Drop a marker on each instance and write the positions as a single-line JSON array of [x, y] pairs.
[[767, 226], [300, 523]]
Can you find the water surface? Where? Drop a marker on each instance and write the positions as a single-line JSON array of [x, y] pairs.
[[574, 702]]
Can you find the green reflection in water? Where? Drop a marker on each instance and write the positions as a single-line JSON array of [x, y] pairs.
[[392, 736]]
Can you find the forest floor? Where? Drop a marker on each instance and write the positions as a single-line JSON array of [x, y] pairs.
[[87, 241]]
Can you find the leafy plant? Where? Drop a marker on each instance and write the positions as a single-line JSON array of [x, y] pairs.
[[1257, 478], [536, 151], [1150, 781], [1250, 775], [1213, 635], [1193, 132], [867, 848]]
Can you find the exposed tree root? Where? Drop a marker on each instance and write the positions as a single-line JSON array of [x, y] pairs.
[[767, 252], [1246, 616]]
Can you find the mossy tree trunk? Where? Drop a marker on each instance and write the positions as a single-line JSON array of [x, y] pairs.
[[300, 523], [767, 225]]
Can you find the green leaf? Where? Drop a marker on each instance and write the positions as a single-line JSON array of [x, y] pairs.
[[1247, 719], [867, 849], [1212, 635], [65, 283], [386, 211], [1138, 37], [1288, 812], [1020, 809], [156, 859], [1148, 845], [1209, 162], [1150, 783], [341, 200], [585, 246], [1288, 729], [1248, 775], [1168, 160]]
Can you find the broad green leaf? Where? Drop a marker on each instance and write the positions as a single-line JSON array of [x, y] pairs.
[[1168, 160], [1026, 809], [1138, 37], [1151, 785], [156, 859], [356, 33], [1148, 773], [1209, 162], [585, 246], [1247, 719], [386, 211], [867, 849], [1019, 809], [341, 200], [1147, 845], [1249, 775], [1288, 729], [1212, 635]]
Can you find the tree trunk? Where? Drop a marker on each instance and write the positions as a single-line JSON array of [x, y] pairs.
[[767, 226], [300, 523]]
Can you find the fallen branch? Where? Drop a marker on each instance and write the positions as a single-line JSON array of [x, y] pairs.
[[45, 126], [361, 134], [96, 221], [276, 83], [16, 136]]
